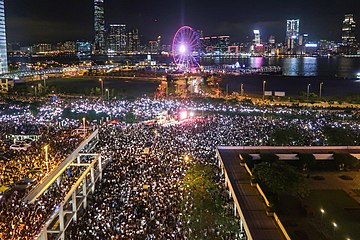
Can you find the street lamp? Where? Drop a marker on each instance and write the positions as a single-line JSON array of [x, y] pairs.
[[35, 90], [322, 214], [84, 126], [308, 91], [321, 86], [108, 94], [264, 85], [46, 148], [102, 87], [186, 158], [335, 226]]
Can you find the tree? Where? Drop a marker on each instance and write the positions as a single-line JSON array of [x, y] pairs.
[[307, 161], [203, 207], [270, 158], [339, 136], [348, 160], [280, 178], [34, 108], [130, 117]]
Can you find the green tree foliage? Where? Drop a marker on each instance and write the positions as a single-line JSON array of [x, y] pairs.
[[205, 216], [307, 161], [130, 117], [270, 158], [340, 136], [280, 178], [348, 160], [287, 136], [34, 108]]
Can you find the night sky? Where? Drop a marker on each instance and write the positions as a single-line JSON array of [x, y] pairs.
[[30, 21]]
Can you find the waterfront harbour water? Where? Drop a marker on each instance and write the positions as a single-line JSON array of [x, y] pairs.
[[335, 73], [297, 73], [305, 66]]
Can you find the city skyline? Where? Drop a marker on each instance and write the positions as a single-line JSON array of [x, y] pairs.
[[26, 22]]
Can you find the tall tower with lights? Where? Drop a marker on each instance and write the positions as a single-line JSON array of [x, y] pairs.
[[292, 34], [99, 25], [348, 34], [3, 52]]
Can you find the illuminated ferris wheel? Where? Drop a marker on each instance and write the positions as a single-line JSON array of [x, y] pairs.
[[186, 48]]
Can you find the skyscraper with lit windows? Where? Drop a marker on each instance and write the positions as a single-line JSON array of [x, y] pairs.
[[116, 39], [99, 25], [3, 52], [292, 34], [348, 34]]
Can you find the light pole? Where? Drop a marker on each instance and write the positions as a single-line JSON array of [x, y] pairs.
[[44, 78], [264, 85], [35, 90], [321, 86], [308, 91], [335, 226], [108, 94], [46, 148], [84, 126], [322, 214], [102, 87]]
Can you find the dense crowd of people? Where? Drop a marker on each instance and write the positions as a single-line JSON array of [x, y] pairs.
[[140, 194]]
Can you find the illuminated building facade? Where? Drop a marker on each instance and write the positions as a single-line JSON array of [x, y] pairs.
[[3, 52], [257, 38], [99, 25], [216, 44], [133, 43], [292, 35], [83, 49], [116, 39], [348, 35]]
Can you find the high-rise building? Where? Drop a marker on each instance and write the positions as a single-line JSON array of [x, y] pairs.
[[113, 39], [83, 49], [292, 34], [133, 43], [99, 25], [41, 48], [3, 52], [272, 39], [215, 44], [257, 38], [348, 36]]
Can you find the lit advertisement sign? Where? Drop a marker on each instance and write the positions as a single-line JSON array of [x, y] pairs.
[[311, 45]]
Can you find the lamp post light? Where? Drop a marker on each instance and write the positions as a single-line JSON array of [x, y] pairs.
[[264, 86], [321, 87], [84, 126], [108, 94], [102, 87], [46, 148], [335, 226], [308, 91], [35, 90], [322, 214]]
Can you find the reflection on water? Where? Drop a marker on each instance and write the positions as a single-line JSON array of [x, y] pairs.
[[256, 62], [305, 66]]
